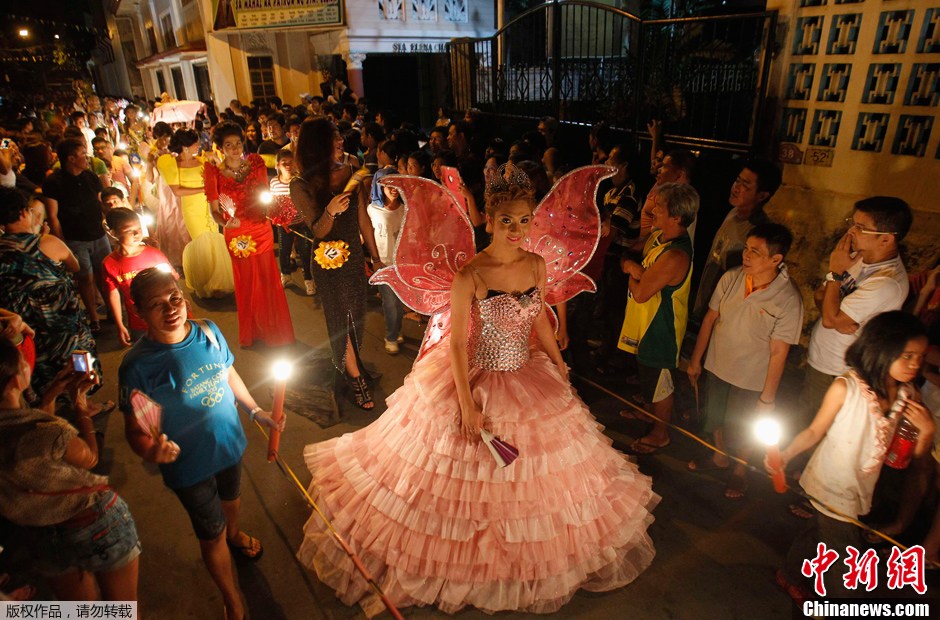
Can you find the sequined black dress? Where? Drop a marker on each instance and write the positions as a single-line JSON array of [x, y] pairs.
[[343, 289]]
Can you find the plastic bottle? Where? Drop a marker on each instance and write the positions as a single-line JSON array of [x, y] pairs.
[[901, 450]]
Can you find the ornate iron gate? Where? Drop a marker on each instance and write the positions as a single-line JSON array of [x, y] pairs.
[[583, 62]]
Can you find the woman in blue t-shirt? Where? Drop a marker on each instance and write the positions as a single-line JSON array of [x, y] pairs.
[[185, 367]]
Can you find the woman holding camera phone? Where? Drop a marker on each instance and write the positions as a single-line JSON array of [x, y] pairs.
[[81, 534]]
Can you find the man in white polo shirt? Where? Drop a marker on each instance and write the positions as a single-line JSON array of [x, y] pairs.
[[755, 314], [866, 277]]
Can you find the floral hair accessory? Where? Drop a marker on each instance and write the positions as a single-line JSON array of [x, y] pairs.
[[243, 246], [331, 254]]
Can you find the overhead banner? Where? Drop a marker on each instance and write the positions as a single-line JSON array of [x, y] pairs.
[[276, 13]]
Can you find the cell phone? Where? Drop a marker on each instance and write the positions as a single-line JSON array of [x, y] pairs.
[[5, 143], [81, 361]]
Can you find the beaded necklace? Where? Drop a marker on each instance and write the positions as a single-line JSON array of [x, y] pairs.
[[241, 173]]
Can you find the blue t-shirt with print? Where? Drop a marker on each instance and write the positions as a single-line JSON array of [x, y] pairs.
[[189, 380], [376, 194]]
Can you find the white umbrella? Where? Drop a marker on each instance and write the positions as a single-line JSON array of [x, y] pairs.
[[176, 112]]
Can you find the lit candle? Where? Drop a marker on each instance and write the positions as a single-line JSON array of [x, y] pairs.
[[146, 221], [281, 370], [768, 432]]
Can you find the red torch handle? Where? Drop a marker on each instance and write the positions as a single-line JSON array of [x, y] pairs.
[[773, 459], [277, 414]]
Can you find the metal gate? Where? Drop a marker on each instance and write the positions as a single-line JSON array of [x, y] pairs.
[[583, 62]]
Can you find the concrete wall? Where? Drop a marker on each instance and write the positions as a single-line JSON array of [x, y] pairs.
[[855, 139]]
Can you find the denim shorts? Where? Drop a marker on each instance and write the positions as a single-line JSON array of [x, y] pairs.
[[107, 543], [203, 501], [90, 254]]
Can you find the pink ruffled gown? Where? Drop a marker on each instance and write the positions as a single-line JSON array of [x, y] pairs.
[[434, 518]]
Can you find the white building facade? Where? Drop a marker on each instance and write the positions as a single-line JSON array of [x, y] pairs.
[[249, 49]]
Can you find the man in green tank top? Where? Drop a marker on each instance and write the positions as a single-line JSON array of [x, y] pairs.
[[655, 318]]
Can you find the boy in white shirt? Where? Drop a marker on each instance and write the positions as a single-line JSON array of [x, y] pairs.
[[387, 215]]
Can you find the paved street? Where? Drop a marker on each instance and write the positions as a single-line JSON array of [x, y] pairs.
[[715, 557]]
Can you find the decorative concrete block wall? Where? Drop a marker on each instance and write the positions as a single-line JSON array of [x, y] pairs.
[[857, 88]]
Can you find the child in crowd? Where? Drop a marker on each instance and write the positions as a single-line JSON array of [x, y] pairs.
[[290, 221], [387, 155], [113, 198], [387, 215], [854, 429], [120, 266]]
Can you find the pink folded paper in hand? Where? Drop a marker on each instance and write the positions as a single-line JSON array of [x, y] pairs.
[[148, 413], [502, 452]]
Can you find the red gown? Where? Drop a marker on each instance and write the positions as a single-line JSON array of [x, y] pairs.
[[262, 306]]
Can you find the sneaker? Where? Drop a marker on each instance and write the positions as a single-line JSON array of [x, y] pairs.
[[310, 287], [401, 339], [391, 347], [285, 279]]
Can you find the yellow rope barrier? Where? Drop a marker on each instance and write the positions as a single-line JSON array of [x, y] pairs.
[[741, 461], [289, 473]]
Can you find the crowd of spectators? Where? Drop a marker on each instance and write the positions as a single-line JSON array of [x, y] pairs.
[[94, 195]]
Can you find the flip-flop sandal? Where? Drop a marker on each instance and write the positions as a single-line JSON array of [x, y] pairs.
[[644, 447], [705, 463], [736, 489], [247, 551], [801, 510]]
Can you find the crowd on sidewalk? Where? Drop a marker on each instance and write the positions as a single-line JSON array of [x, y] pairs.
[[107, 216]]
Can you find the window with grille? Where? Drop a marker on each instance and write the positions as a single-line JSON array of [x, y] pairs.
[[261, 74]]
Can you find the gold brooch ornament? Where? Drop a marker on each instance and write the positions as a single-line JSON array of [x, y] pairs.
[[243, 246], [331, 254]]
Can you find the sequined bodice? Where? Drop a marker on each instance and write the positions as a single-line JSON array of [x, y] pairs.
[[500, 327]]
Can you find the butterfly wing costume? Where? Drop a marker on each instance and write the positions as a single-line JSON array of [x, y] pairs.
[[434, 517]]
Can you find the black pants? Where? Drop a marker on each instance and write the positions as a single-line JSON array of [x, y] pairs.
[[287, 240]]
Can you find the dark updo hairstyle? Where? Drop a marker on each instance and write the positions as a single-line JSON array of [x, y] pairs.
[[224, 130], [13, 203], [183, 138], [146, 280], [881, 342], [501, 190], [161, 130]]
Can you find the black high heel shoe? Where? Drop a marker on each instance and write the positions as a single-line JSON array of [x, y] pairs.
[[360, 392]]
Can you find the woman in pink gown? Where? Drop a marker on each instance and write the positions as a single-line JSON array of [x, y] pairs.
[[422, 501]]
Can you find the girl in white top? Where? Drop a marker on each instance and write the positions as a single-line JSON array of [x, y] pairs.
[[853, 430]]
